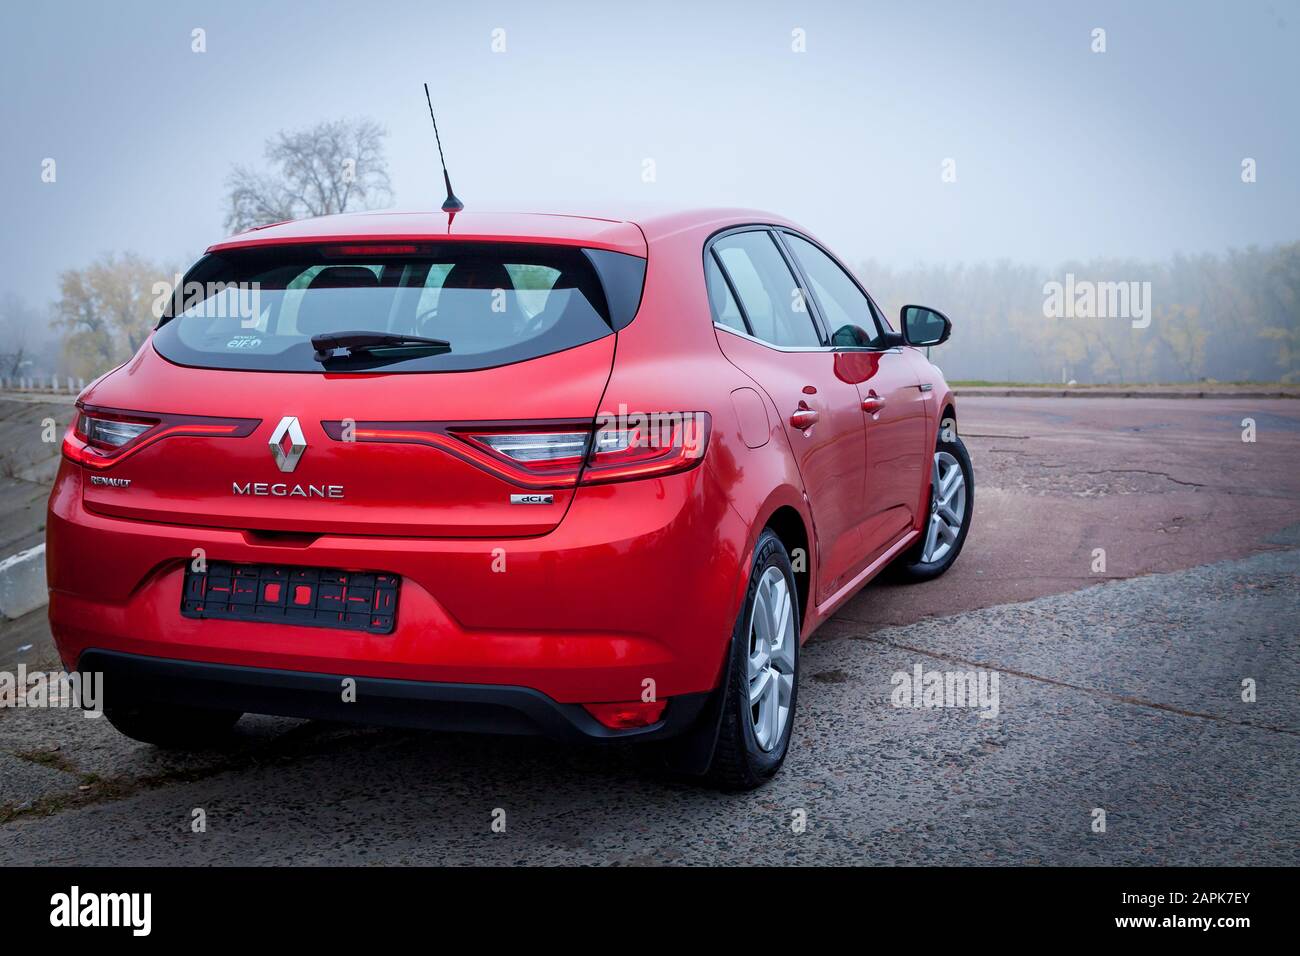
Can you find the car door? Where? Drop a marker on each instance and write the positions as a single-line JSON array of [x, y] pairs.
[[894, 407], [765, 329]]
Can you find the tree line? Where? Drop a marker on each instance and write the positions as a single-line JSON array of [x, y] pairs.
[[1229, 317]]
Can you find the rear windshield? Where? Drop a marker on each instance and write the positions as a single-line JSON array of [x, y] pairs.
[[493, 303]]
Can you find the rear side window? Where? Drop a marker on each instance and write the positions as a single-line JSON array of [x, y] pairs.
[[495, 303], [725, 310], [770, 296]]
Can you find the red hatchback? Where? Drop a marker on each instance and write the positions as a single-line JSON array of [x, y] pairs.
[[596, 478]]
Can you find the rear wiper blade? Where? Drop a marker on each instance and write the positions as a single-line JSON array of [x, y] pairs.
[[327, 343]]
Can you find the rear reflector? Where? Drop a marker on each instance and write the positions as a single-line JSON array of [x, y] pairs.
[[625, 716], [101, 437]]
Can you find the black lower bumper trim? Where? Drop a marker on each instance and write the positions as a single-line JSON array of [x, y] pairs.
[[471, 708]]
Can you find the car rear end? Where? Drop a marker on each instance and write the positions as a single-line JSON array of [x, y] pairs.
[[401, 533]]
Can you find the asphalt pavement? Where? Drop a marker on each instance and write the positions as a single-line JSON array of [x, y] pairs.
[[1119, 733]]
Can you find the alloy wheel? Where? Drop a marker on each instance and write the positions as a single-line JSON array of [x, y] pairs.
[[772, 640], [947, 508]]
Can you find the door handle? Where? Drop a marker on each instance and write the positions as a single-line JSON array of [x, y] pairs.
[[804, 418], [873, 403]]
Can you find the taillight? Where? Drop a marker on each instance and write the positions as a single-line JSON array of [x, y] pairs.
[[549, 452], [110, 433], [101, 437], [657, 445], [556, 454]]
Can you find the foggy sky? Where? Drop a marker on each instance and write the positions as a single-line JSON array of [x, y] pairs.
[[1060, 153]]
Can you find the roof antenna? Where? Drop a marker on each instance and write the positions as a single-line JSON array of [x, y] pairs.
[[451, 204]]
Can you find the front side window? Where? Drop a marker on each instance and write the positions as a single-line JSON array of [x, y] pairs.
[[492, 303], [847, 311], [768, 291]]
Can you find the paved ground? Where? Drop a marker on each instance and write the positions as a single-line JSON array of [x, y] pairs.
[[1118, 695], [1251, 390]]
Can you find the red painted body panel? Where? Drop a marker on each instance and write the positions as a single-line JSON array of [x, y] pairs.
[[898, 433], [612, 585], [585, 613], [830, 454], [398, 489], [609, 234]]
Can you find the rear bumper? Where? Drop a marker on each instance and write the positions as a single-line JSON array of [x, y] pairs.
[[473, 708], [640, 582]]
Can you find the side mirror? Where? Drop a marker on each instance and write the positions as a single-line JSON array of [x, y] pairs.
[[924, 326]]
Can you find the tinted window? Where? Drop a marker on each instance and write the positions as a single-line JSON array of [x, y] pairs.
[[496, 303], [843, 305], [723, 303], [770, 296]]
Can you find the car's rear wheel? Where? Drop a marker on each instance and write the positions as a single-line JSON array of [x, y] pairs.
[[172, 726], [758, 711], [952, 501]]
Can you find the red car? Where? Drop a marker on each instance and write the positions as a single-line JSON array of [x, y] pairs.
[[592, 477]]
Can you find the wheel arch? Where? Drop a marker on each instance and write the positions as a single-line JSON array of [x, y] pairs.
[[948, 406], [788, 525]]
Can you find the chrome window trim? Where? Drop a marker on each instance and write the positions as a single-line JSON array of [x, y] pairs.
[[897, 350], [773, 230]]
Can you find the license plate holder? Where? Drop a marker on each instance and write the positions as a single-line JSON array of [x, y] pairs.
[[291, 594]]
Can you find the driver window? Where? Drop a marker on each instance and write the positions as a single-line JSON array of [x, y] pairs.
[[846, 309]]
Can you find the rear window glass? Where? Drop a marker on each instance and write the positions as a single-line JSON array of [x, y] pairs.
[[494, 303]]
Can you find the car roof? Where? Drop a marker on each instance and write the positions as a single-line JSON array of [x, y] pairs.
[[628, 231]]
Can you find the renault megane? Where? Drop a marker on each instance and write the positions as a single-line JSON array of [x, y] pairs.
[[597, 478]]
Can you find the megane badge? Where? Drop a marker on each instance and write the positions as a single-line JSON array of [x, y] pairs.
[[288, 443]]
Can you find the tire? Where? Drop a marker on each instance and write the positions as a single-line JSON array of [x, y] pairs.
[[912, 565], [746, 756], [172, 726]]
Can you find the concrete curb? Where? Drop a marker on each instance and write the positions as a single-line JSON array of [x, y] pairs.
[[22, 582], [38, 398]]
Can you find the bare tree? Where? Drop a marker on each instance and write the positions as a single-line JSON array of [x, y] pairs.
[[331, 167], [16, 319], [28, 341]]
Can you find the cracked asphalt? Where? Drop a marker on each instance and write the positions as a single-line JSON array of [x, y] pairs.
[[1120, 690]]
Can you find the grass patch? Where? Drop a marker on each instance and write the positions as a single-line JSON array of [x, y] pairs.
[[54, 759]]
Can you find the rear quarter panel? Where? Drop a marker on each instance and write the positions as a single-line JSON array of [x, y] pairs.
[[668, 359]]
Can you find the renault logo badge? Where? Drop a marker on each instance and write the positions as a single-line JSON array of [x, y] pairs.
[[288, 443]]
